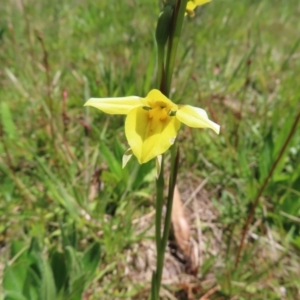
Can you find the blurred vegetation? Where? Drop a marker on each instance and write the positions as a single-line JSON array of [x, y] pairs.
[[66, 205]]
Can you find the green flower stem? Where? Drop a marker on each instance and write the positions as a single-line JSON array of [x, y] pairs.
[[172, 183], [160, 182], [173, 41], [161, 242], [156, 277], [167, 224], [160, 66], [164, 78], [154, 291]]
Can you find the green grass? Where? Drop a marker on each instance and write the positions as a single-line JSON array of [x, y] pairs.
[[237, 59]]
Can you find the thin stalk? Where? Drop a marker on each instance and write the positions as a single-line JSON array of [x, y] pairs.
[[154, 292], [160, 182], [164, 77], [172, 183], [263, 187], [174, 40], [156, 278], [160, 66], [161, 242]]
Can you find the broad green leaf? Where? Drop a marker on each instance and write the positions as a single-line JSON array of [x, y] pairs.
[[91, 258], [59, 269]]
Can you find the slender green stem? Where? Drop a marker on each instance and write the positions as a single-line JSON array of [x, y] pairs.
[[156, 279], [164, 77], [160, 66], [159, 268], [178, 18], [172, 183], [161, 242], [160, 182], [154, 292]]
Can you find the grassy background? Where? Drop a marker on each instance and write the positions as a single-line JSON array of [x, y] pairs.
[[66, 206]]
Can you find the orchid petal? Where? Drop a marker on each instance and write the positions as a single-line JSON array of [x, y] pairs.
[[115, 106], [201, 2], [191, 5], [156, 96], [148, 135], [195, 117]]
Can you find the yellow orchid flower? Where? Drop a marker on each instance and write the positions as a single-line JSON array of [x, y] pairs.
[[152, 122], [191, 5]]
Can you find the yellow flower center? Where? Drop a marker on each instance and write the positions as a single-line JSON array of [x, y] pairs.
[[158, 114], [159, 111]]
